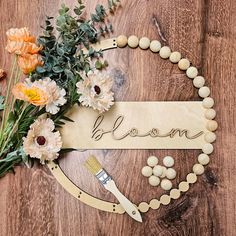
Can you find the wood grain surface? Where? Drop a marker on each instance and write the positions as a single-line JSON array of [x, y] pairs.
[[33, 203]]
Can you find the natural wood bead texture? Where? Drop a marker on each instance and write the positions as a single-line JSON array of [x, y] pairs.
[[203, 32]]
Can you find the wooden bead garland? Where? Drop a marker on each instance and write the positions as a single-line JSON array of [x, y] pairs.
[[210, 114]]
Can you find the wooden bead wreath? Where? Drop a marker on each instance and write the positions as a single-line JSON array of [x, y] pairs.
[[203, 159]]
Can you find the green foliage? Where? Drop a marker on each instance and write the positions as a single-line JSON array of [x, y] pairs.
[[112, 4], [13, 158], [64, 62], [63, 56], [99, 65]]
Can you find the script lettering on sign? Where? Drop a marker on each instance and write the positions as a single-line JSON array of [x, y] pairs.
[[137, 125]]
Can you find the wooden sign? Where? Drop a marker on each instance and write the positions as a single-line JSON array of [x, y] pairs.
[[137, 125]]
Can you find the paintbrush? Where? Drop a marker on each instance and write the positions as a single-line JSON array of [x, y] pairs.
[[93, 165]]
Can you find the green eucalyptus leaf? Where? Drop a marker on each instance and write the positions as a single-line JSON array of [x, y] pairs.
[[57, 69], [40, 69]]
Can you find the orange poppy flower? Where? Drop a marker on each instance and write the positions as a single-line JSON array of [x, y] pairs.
[[33, 95], [21, 48], [20, 35], [28, 62], [21, 42]]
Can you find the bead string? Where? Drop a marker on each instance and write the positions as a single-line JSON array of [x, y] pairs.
[[208, 102]]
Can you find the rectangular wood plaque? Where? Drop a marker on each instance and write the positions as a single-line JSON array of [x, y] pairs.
[[137, 125]]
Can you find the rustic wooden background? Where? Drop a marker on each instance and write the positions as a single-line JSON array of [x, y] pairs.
[[33, 203]]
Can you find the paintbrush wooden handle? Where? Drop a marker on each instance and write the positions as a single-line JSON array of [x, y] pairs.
[[126, 204]]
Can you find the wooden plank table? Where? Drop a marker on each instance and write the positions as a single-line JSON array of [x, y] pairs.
[[33, 203]]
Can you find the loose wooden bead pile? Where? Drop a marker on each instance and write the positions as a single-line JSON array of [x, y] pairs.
[[156, 172], [207, 103]]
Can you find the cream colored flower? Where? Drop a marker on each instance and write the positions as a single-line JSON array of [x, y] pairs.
[[41, 92], [95, 91], [41, 142], [56, 95]]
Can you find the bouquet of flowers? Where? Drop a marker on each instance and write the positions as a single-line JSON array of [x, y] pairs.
[[58, 74]]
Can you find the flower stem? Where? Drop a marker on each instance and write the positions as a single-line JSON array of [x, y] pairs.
[[12, 131], [9, 84]]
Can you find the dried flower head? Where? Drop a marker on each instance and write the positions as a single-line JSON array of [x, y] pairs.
[[41, 141], [40, 93], [95, 91]]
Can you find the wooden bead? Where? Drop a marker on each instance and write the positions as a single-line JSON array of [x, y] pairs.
[[165, 52], [199, 81], [154, 204], [163, 172], [203, 159], [168, 161], [121, 41], [152, 161], [212, 125], [208, 102], [204, 92], [146, 171], [184, 186], [166, 184], [165, 199], [175, 57], [210, 137], [198, 169], [174, 193], [191, 178], [210, 114], [208, 148], [143, 207], [133, 41], [170, 173], [155, 46], [192, 72], [157, 170], [144, 43], [154, 180], [184, 64]]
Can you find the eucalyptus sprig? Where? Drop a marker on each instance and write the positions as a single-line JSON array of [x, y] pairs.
[[64, 61]]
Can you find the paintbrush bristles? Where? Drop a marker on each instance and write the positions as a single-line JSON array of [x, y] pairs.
[[93, 165]]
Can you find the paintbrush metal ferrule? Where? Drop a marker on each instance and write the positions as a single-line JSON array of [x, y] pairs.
[[103, 176]]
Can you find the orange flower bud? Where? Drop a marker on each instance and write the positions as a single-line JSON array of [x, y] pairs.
[[22, 48], [28, 62], [20, 35]]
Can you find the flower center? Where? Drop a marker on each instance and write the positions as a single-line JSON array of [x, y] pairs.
[[97, 89], [41, 140]]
